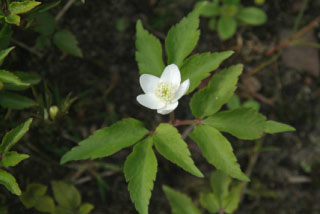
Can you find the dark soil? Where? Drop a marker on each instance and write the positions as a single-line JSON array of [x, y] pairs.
[[106, 80]]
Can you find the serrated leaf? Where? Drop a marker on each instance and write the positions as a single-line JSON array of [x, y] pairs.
[[8, 77], [149, 52], [26, 78], [219, 90], [4, 53], [180, 203], [252, 16], [85, 208], [9, 182], [227, 27], [12, 159], [231, 202], [209, 202], [15, 101], [13, 19], [198, 67], [107, 141], [220, 182], [67, 43], [66, 195], [170, 145], [182, 39], [17, 7], [140, 170], [272, 127], [13, 136], [217, 150], [243, 123]]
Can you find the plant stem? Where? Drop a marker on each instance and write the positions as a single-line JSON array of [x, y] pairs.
[[64, 9], [172, 118], [24, 46], [187, 122], [300, 15]]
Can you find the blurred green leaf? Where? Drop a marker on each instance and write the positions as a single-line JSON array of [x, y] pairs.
[[252, 16], [217, 150], [210, 202], [220, 182], [107, 141], [149, 52], [9, 182], [67, 43], [140, 170], [13, 136], [227, 27], [231, 202], [44, 204], [198, 67], [273, 127], [19, 7], [15, 101], [220, 89], [33, 192], [243, 123], [66, 195], [13, 19], [180, 203], [12, 159], [85, 208], [212, 25], [9, 77], [5, 36], [234, 102], [251, 104], [4, 53], [46, 6], [45, 23], [170, 145], [42, 42], [209, 10]]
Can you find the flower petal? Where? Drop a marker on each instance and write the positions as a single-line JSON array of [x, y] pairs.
[[149, 83], [171, 74], [182, 90], [168, 108], [150, 101]]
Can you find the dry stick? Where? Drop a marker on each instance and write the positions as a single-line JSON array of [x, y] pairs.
[[297, 35], [24, 46], [64, 9]]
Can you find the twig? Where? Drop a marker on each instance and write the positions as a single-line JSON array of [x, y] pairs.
[[24, 46], [187, 131], [264, 64], [297, 35], [64, 9]]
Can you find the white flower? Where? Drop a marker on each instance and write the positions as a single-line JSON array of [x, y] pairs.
[[163, 93]]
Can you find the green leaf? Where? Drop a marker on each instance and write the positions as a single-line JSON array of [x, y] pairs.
[[212, 24], [62, 210], [85, 208], [17, 7], [30, 197], [9, 182], [45, 23], [27, 79], [12, 159], [15, 101], [180, 203], [42, 42], [227, 27], [13, 136], [210, 202], [219, 90], [67, 43], [170, 145], [243, 123], [8, 77], [66, 195], [252, 16], [44, 204], [198, 67], [231, 202], [251, 104], [149, 52], [182, 39], [217, 150], [209, 10], [4, 53], [272, 127], [234, 102], [5, 36], [46, 6], [220, 182], [140, 170], [13, 19], [108, 140]]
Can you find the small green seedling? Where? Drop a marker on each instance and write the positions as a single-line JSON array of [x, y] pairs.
[[226, 15]]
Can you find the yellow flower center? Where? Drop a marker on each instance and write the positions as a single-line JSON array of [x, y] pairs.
[[164, 92]]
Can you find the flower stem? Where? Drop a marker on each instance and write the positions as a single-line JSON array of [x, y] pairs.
[[172, 118], [187, 122]]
